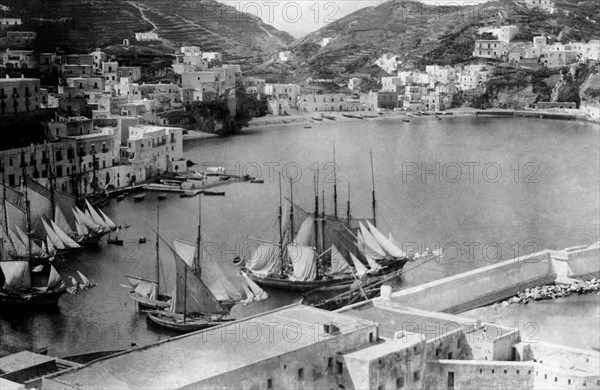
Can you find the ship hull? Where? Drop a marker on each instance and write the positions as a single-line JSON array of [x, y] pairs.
[[30, 299], [178, 325], [286, 284]]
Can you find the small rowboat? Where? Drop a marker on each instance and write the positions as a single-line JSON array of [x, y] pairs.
[[189, 193], [142, 240], [115, 241], [162, 196], [139, 198], [257, 181], [214, 193], [121, 197]]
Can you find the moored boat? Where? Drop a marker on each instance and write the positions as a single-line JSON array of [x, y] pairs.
[[139, 197], [316, 256], [162, 196], [214, 193]]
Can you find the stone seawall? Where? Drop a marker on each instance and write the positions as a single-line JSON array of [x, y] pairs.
[[487, 285]]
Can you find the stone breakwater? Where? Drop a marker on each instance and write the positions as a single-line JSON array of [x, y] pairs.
[[553, 291]]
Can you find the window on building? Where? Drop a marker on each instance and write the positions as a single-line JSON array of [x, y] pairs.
[[301, 374], [416, 376], [269, 383], [400, 382], [339, 367]]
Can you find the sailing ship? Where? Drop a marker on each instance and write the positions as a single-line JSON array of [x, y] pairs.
[[25, 285], [148, 295], [317, 256]]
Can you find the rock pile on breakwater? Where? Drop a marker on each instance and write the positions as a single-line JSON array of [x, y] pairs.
[[553, 291]]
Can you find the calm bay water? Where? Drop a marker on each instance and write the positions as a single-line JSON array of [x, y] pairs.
[[483, 189]]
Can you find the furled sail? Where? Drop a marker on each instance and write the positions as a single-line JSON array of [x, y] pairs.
[[360, 268], [371, 245], [95, 216], [54, 280], [339, 265], [191, 294], [16, 275], [7, 247], [64, 237], [303, 259], [305, 236], [265, 260], [390, 248], [52, 237], [259, 293]]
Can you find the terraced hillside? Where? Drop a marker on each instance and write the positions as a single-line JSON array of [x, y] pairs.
[[82, 25], [420, 34]]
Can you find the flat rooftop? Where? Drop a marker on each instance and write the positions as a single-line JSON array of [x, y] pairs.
[[393, 318], [190, 358]]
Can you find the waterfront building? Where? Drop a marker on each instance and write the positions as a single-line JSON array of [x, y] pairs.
[[370, 345], [330, 102], [156, 149], [386, 100], [291, 92], [19, 95], [20, 38]]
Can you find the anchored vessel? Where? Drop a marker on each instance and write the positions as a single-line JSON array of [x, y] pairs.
[[316, 256]]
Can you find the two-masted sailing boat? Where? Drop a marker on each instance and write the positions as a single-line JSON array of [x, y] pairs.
[[317, 255], [199, 283]]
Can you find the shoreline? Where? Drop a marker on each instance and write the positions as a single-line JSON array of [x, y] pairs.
[[307, 119]]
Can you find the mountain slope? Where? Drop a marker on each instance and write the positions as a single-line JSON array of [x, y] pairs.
[[419, 34], [82, 25]]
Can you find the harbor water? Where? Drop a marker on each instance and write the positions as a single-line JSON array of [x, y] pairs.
[[481, 189]]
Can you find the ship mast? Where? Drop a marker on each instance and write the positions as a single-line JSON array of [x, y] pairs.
[[291, 211], [27, 211], [335, 206], [281, 226], [4, 198], [51, 182], [373, 191], [316, 223], [157, 250], [198, 260], [348, 209]]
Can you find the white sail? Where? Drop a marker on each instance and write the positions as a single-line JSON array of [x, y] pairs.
[[111, 225], [7, 246], [371, 245], [54, 280], [249, 294], [339, 265], [303, 259], [393, 240], [19, 246], [360, 268], [61, 220], [74, 286], [259, 293], [186, 251], [95, 216], [390, 248], [50, 250], [87, 221], [82, 230], [374, 267], [147, 290], [265, 260], [304, 237], [64, 237], [52, 237], [16, 275], [85, 281]]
